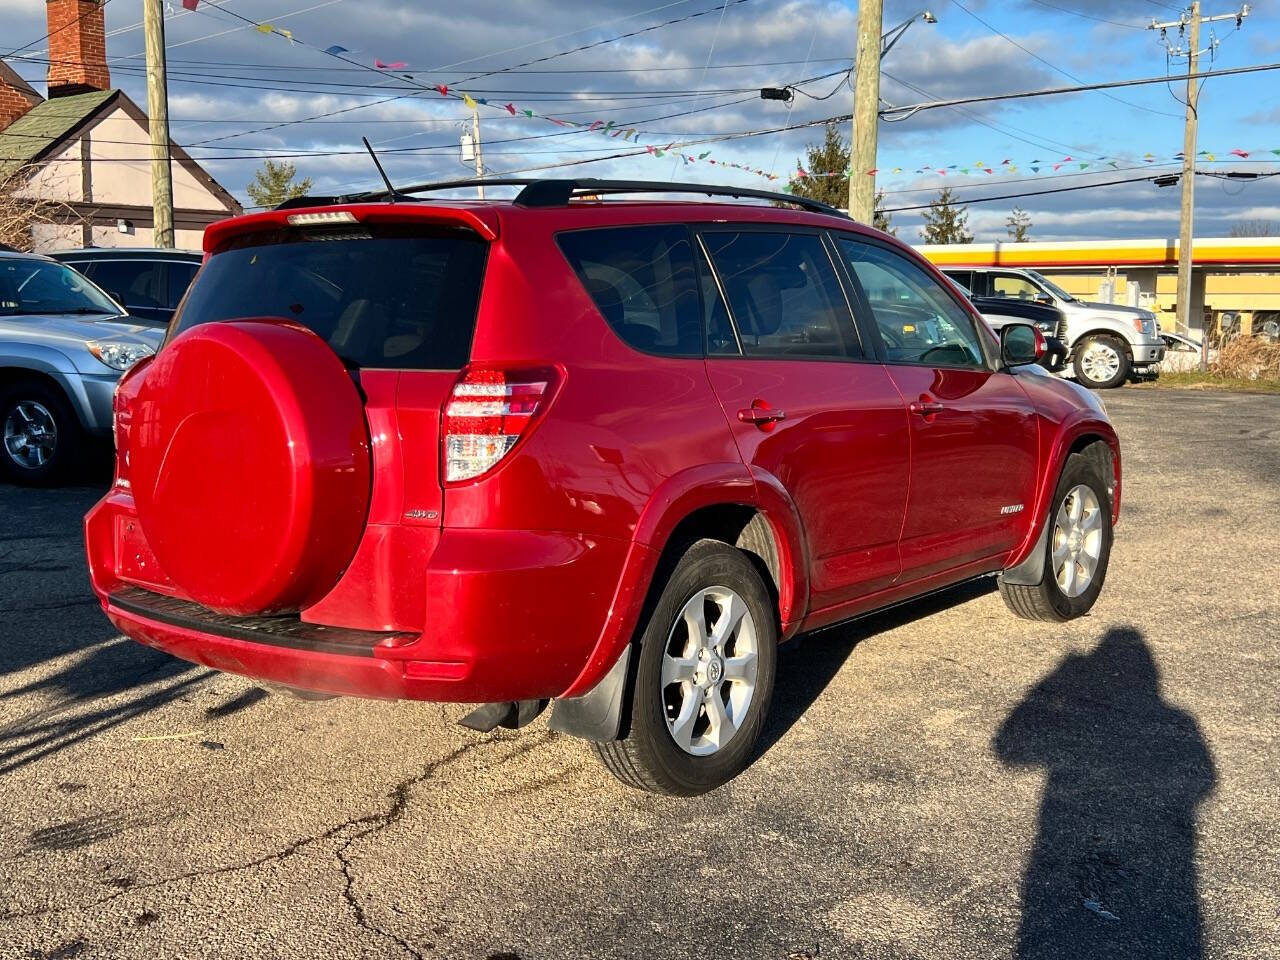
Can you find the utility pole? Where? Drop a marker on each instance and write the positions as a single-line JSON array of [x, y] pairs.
[[471, 151], [158, 114], [1191, 23], [866, 111]]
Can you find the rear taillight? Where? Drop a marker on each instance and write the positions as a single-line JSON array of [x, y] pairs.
[[488, 411], [126, 394]]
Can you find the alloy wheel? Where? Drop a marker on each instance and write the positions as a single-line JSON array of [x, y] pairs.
[[1077, 540], [709, 670], [30, 434], [1100, 362]]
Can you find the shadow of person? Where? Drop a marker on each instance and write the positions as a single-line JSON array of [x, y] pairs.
[[1113, 870]]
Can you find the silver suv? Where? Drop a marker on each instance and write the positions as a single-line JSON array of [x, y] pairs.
[[1108, 343], [63, 345]]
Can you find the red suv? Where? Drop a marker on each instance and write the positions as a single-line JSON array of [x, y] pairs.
[[606, 453]]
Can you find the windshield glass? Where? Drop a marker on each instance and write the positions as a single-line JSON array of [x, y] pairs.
[[1053, 288], [44, 287]]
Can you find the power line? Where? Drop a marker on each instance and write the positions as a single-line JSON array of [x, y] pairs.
[[1044, 143], [1086, 16], [1039, 193], [51, 33], [427, 89], [1053, 66], [898, 114]]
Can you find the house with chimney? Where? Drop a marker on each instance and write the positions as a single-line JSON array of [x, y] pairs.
[[84, 148]]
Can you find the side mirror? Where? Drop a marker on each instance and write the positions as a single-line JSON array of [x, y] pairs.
[[1020, 344], [1043, 298]]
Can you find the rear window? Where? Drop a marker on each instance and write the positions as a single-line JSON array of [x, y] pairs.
[[643, 281], [390, 297]]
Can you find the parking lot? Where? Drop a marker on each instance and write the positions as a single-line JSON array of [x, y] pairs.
[[941, 780]]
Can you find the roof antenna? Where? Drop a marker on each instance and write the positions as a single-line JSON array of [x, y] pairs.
[[392, 194]]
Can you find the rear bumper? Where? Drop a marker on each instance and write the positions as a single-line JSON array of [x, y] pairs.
[[509, 615]]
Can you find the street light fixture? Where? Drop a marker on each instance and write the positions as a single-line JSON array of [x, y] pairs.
[[890, 37]]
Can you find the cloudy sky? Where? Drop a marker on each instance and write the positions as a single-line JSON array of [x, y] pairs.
[[237, 94]]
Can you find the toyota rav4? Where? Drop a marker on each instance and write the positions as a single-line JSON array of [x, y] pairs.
[[606, 453]]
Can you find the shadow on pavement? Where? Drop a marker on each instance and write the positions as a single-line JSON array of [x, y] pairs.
[[807, 664], [65, 672], [1112, 873]]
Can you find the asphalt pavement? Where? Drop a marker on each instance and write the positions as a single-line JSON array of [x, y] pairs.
[[940, 781]]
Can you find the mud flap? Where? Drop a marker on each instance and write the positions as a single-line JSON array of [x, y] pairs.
[[1030, 571], [597, 714]]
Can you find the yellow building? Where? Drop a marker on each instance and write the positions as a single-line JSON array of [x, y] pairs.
[[1234, 279]]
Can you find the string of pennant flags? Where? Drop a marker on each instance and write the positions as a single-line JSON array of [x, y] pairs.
[[615, 131], [1036, 166]]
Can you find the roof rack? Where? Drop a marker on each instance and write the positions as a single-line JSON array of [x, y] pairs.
[[557, 193]]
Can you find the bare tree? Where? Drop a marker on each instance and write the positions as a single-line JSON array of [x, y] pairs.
[[1019, 225], [19, 215], [1255, 228]]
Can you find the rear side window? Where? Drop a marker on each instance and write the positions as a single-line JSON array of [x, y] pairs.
[[135, 283], [390, 297], [783, 293], [642, 279], [180, 277], [1012, 285]]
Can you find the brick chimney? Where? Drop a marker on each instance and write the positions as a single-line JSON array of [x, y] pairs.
[[16, 95], [77, 47]]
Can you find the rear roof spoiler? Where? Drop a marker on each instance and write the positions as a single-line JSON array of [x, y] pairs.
[[477, 219]]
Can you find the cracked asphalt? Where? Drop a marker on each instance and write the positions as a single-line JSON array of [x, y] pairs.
[[938, 781]]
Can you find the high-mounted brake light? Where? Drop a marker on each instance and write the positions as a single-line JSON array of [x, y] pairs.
[[321, 218], [488, 412]]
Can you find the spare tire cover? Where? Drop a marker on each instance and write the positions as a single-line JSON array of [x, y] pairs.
[[250, 465]]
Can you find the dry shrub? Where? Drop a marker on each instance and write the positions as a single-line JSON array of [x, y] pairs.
[[1248, 358], [18, 215]]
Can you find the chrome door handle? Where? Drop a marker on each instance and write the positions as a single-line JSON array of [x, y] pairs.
[[761, 415], [926, 408]]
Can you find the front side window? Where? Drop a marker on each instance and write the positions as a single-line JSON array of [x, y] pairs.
[[643, 281], [918, 320], [1052, 287], [783, 294]]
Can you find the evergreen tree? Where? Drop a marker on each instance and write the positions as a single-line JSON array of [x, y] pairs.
[[1019, 224], [826, 167], [883, 221], [946, 221], [273, 184], [825, 164]]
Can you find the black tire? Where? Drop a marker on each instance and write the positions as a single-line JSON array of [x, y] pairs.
[[1110, 343], [648, 757], [68, 445], [1045, 601]]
